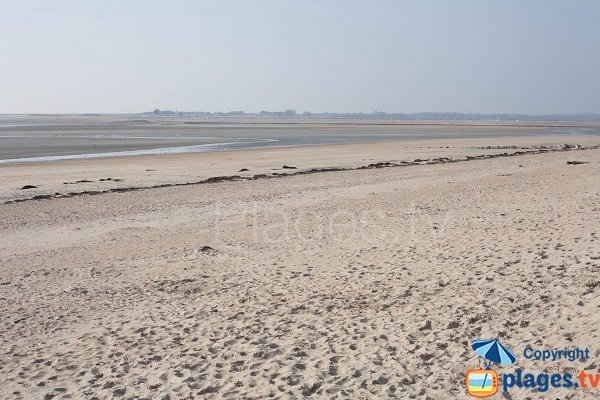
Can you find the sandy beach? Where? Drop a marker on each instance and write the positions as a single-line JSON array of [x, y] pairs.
[[297, 200], [360, 283]]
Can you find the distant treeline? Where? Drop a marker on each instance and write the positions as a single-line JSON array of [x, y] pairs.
[[383, 115]]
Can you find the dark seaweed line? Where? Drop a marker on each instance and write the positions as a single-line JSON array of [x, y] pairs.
[[234, 178]]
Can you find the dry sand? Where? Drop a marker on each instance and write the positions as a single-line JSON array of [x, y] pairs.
[[359, 284]]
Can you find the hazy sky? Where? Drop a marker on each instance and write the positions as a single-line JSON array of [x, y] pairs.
[[396, 56]]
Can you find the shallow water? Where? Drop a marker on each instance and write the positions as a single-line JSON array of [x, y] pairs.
[[31, 141]]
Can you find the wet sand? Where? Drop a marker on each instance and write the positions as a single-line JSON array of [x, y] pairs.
[[30, 139]]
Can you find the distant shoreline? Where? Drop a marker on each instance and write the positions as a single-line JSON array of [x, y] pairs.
[[290, 113]]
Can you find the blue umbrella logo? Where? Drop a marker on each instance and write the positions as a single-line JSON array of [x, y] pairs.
[[494, 352]]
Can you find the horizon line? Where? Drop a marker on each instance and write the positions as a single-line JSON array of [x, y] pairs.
[[233, 113]]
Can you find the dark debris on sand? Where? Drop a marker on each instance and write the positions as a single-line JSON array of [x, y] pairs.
[[576, 162], [206, 250], [217, 179]]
